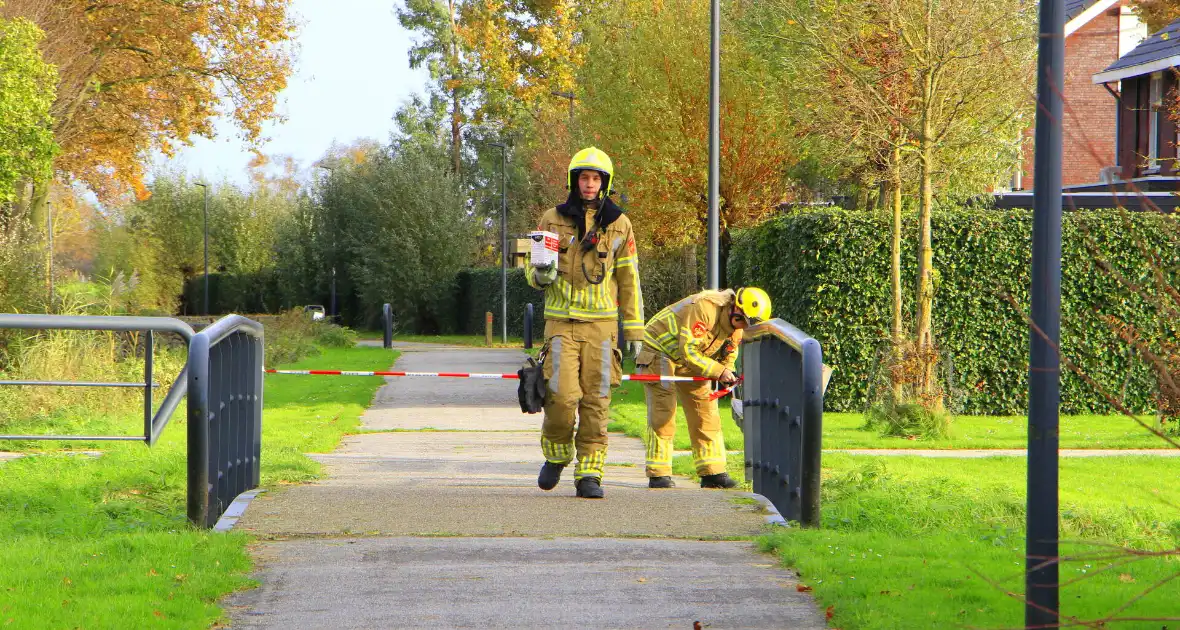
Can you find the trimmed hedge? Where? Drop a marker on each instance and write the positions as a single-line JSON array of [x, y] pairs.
[[828, 273], [479, 292]]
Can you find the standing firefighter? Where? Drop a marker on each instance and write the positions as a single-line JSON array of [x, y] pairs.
[[697, 336], [596, 276]]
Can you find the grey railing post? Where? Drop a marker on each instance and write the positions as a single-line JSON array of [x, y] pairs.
[[813, 414], [148, 350], [198, 430], [225, 415], [783, 410], [387, 325], [528, 325]]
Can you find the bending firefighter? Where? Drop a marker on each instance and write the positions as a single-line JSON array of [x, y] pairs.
[[697, 336], [596, 277]]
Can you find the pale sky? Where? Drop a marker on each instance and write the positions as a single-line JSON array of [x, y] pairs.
[[351, 74]]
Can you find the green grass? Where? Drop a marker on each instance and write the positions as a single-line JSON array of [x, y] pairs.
[[102, 542], [466, 340], [912, 542], [843, 430]]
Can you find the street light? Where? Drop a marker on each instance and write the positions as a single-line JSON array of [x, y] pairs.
[[49, 233], [206, 218], [330, 165], [714, 280], [1042, 575], [504, 238]]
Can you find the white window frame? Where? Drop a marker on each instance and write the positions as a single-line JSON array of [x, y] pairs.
[[1155, 98]]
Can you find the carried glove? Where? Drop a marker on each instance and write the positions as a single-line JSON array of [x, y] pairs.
[[634, 348], [545, 275]]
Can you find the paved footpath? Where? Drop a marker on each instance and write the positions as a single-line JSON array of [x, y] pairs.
[[435, 520]]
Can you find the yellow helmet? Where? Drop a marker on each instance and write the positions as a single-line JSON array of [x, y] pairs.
[[592, 159], [754, 303]]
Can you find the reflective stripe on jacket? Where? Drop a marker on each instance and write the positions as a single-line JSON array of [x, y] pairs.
[[694, 331], [596, 283]]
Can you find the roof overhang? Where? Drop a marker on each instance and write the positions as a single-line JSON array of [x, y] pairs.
[[1138, 70], [1084, 17]]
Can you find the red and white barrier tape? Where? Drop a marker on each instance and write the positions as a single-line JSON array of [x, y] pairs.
[[626, 377]]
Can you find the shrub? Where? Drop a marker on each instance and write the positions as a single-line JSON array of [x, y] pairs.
[[828, 273]]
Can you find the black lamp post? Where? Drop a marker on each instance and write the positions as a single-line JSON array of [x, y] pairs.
[[206, 221], [503, 239]]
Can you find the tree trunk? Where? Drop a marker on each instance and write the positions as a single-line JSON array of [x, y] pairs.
[[456, 112], [723, 246], [923, 334], [688, 259], [895, 266]]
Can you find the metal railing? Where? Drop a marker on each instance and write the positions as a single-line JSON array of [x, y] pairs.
[[223, 381], [153, 424], [783, 406], [225, 368]]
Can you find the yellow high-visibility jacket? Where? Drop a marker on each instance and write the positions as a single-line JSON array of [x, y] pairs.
[[694, 331], [595, 283]]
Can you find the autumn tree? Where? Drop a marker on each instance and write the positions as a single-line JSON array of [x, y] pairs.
[[400, 219], [26, 139], [965, 66], [143, 75], [1157, 14], [523, 51], [440, 48], [645, 102]]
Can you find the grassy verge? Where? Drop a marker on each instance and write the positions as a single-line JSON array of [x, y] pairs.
[[843, 430], [103, 542], [465, 340], [919, 543], [474, 341]]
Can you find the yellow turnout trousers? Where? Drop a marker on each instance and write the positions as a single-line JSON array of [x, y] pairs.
[[583, 364], [704, 421]]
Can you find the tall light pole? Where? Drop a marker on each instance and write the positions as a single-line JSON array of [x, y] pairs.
[[206, 220], [330, 166], [49, 254], [1041, 576], [714, 279], [503, 239]]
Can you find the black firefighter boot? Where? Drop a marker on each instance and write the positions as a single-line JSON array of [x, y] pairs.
[[660, 482], [589, 488], [720, 480], [550, 475]]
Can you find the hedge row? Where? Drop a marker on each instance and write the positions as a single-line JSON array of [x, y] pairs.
[[828, 273], [234, 293], [479, 293]]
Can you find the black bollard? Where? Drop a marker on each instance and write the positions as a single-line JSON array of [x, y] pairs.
[[387, 325], [528, 325]]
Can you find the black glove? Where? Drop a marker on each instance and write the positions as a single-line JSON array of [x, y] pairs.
[[532, 390]]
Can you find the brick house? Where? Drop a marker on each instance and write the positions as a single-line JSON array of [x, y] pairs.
[[1097, 34], [1145, 83]]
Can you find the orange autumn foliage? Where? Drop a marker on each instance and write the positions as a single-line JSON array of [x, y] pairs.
[[143, 75]]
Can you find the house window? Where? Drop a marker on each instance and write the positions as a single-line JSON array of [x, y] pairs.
[[1156, 98], [1118, 125]]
